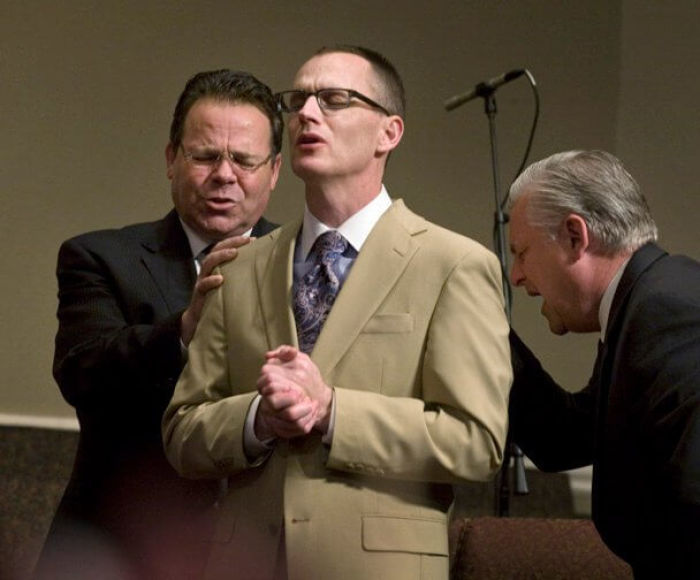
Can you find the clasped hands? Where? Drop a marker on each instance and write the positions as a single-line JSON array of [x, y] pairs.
[[294, 397]]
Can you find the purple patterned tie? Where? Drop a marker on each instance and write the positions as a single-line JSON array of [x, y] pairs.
[[315, 292]]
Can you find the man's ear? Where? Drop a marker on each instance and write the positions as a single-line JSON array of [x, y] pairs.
[[575, 236], [170, 154], [391, 133], [276, 165]]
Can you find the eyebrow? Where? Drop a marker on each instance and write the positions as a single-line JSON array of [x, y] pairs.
[[515, 251], [212, 149]]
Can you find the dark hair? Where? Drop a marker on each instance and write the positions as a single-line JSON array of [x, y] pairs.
[[391, 92], [232, 87]]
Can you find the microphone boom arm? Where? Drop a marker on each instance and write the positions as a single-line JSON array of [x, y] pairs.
[[486, 90]]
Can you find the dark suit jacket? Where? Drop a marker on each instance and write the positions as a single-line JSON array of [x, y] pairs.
[[117, 359], [637, 420]]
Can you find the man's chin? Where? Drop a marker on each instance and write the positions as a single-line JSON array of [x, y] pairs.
[[219, 231], [556, 326]]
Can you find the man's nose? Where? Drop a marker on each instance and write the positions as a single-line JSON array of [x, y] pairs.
[[516, 275], [224, 170], [310, 107]]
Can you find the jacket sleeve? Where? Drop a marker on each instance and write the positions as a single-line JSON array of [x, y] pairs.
[[203, 424], [553, 427], [452, 426], [109, 341]]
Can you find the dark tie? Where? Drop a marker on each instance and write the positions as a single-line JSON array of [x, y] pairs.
[[199, 258], [315, 292]]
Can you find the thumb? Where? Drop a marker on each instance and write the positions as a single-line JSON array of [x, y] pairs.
[[284, 353]]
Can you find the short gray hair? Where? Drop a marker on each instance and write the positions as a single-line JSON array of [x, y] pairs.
[[593, 185]]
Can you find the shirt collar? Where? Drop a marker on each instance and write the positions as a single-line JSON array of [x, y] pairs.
[[607, 300], [355, 229], [197, 242]]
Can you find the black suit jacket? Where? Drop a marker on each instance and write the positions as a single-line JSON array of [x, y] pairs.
[[117, 359], [637, 421]]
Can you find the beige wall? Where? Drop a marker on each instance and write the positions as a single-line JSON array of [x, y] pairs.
[[87, 90]]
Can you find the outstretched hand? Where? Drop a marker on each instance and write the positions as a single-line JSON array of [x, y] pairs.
[[224, 251]]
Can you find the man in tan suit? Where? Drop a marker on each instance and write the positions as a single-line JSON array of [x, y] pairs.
[[340, 447]]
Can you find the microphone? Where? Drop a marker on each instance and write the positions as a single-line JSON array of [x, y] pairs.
[[483, 89]]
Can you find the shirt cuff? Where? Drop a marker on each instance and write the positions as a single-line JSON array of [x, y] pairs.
[[256, 450]]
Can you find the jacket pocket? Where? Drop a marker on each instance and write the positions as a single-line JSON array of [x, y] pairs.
[[389, 323], [397, 534]]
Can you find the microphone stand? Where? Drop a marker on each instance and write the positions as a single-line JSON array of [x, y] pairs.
[[502, 492], [486, 91]]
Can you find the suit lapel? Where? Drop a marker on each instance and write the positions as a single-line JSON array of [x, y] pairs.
[[167, 257], [263, 227], [274, 275], [384, 256], [641, 260]]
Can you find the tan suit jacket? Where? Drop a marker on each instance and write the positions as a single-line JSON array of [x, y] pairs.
[[416, 348]]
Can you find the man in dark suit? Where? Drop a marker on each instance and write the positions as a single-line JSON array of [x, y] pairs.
[[582, 237], [129, 303]]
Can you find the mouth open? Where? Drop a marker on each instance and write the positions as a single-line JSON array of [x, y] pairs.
[[220, 203], [308, 139]]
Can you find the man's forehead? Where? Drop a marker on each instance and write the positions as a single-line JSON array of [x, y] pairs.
[[334, 69], [517, 222], [243, 122], [212, 111], [517, 211]]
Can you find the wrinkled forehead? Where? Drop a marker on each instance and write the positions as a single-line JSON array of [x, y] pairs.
[[336, 70], [517, 219]]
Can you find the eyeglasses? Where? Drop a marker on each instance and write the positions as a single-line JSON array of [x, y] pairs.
[[210, 159], [328, 100]]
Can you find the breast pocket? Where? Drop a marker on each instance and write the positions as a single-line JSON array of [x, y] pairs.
[[387, 323], [384, 358]]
